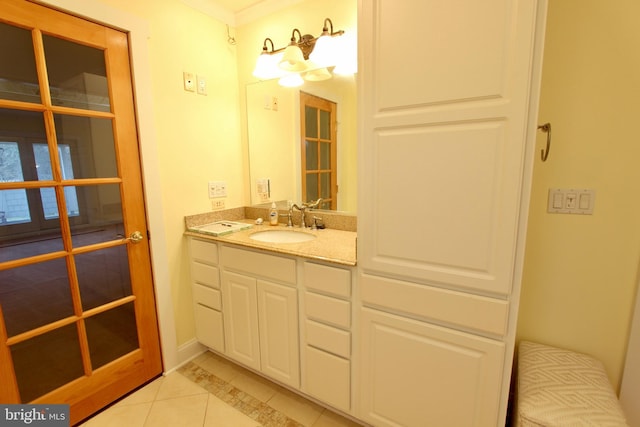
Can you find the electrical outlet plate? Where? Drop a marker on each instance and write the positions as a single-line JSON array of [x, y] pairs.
[[189, 82], [217, 204]]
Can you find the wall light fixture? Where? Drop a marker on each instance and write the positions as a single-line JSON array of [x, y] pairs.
[[305, 57]]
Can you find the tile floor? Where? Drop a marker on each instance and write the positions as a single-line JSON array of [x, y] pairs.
[[211, 391]]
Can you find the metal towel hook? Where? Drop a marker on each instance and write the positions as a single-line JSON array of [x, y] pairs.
[[547, 129]]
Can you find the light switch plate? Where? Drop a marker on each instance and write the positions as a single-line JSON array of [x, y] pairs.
[[201, 84], [217, 189], [578, 201]]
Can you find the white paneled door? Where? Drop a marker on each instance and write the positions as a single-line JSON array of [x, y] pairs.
[[448, 91], [444, 98]]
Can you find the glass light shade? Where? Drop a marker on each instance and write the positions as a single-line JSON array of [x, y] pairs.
[[323, 52], [267, 66], [346, 68], [346, 55], [263, 64], [293, 59], [291, 80], [317, 75]]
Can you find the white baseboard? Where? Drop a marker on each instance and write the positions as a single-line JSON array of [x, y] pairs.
[[187, 352]]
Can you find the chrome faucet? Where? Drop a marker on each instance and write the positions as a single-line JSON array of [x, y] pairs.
[[303, 207]]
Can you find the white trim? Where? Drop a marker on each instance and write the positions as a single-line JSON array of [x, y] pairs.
[[630, 388], [187, 352], [138, 30]]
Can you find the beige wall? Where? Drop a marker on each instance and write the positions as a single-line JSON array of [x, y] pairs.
[[197, 137], [580, 274]]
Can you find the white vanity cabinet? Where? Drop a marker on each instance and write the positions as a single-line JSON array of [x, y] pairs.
[[207, 298], [445, 152], [260, 303], [326, 339]]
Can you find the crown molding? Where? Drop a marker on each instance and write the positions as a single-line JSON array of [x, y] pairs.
[[234, 19]]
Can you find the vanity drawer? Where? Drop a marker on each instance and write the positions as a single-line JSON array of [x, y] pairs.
[[326, 309], [202, 251], [204, 274], [328, 338], [207, 296], [328, 378], [483, 314], [259, 264], [331, 280], [209, 330]]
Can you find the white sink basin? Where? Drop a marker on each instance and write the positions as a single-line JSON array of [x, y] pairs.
[[281, 236]]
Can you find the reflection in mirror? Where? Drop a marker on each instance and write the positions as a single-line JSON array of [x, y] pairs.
[[276, 145]]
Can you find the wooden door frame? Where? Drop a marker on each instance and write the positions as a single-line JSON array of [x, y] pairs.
[[90, 392]]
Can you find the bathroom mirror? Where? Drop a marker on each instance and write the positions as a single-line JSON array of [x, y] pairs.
[[273, 122]]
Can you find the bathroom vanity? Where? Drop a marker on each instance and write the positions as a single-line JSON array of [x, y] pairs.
[[283, 310]]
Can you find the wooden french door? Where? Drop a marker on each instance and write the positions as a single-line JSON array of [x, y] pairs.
[[319, 150], [77, 311]]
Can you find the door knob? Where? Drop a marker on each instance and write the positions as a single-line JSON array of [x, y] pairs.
[[135, 237]]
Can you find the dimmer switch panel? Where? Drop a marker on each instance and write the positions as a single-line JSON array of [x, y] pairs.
[[571, 201], [217, 189]]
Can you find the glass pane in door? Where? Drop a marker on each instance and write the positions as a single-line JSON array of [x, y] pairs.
[[311, 121], [100, 216], [13, 203], [325, 185], [18, 77], [112, 334], [35, 295], [312, 155], [312, 187], [77, 75], [325, 155], [47, 361], [325, 124], [27, 236], [103, 276], [88, 147], [18, 130]]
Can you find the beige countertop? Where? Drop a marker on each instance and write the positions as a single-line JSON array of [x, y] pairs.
[[330, 245]]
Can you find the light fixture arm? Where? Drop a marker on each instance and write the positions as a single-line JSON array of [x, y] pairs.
[[295, 42], [325, 29], [264, 46]]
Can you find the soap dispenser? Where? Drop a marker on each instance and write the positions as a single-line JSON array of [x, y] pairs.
[[273, 214]]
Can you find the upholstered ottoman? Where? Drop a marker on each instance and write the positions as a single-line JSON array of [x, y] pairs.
[[557, 387]]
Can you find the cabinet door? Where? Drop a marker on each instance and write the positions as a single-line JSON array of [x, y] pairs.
[[418, 374], [442, 145], [278, 316], [241, 318]]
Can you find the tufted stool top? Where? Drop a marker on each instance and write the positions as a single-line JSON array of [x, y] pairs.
[[559, 387]]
